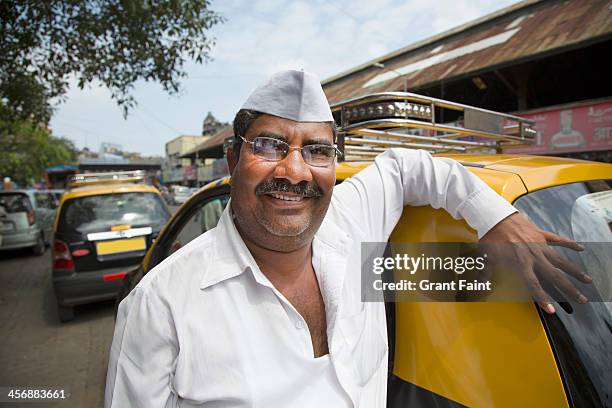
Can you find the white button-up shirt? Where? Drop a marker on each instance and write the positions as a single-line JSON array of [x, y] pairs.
[[206, 328]]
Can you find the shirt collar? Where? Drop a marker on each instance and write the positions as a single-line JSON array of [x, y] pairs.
[[230, 257]]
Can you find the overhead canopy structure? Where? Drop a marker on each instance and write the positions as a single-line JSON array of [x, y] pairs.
[[525, 31], [211, 148]]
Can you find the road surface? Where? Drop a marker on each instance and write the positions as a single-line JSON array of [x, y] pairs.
[[39, 351]]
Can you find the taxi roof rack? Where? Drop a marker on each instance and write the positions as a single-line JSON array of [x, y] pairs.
[[88, 179], [373, 123]]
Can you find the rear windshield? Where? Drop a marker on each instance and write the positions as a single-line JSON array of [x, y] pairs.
[[15, 202], [101, 212]]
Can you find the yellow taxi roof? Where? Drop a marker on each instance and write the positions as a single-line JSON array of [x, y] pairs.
[[510, 175], [542, 172], [107, 189], [536, 172]]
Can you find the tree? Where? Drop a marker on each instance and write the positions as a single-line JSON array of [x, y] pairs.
[[28, 149], [116, 42]]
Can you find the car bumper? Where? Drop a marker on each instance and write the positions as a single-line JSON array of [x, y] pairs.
[[16, 240], [72, 288]]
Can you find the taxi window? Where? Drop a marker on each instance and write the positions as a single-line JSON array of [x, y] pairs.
[[583, 212], [101, 212], [199, 222], [580, 334]]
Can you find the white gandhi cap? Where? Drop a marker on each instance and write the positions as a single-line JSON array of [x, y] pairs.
[[294, 95]]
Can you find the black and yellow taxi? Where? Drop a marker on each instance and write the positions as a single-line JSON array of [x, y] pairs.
[[104, 226], [476, 354]]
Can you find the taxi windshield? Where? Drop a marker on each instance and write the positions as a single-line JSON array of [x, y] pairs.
[[101, 212]]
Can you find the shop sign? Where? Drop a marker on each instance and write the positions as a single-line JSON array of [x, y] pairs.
[[577, 128], [189, 172]]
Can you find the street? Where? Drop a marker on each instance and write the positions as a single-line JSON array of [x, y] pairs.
[[37, 350]]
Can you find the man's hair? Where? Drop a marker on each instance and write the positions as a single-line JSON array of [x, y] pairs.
[[245, 118]]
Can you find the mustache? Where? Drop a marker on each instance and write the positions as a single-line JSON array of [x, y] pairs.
[[303, 188]]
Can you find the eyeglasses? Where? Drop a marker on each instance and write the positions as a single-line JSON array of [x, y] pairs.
[[317, 155]]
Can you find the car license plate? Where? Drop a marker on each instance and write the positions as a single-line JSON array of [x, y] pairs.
[[120, 245]]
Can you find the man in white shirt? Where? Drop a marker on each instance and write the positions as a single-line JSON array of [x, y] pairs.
[[264, 310]]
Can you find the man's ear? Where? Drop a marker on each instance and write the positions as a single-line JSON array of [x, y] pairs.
[[232, 159]]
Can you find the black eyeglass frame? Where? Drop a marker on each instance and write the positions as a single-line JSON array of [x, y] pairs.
[[337, 152]]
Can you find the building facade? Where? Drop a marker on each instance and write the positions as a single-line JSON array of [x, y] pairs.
[[178, 170], [542, 59]]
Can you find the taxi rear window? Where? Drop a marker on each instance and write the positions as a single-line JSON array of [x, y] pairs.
[[101, 212]]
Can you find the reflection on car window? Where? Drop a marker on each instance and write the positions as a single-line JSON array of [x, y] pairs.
[[583, 212], [210, 214], [201, 221], [101, 212], [592, 217], [581, 334]]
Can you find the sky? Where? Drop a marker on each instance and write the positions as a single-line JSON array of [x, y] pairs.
[[259, 37]]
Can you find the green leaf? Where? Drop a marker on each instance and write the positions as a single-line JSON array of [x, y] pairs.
[[116, 42]]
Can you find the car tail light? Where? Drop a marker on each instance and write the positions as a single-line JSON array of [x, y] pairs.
[[80, 252], [61, 256], [31, 217], [113, 276]]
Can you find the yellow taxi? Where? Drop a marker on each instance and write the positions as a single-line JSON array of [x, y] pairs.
[[104, 225], [476, 354]]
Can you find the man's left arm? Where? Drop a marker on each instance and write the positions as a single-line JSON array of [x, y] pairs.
[[377, 195], [375, 198]]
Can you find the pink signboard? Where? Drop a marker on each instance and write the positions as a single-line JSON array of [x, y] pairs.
[[189, 172], [574, 128]]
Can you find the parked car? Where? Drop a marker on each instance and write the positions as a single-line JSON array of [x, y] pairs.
[[26, 220], [181, 194], [105, 223], [480, 354]]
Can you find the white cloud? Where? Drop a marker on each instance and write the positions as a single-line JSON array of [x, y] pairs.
[[260, 37]]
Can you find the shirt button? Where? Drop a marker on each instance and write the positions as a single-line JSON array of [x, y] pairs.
[[299, 325]]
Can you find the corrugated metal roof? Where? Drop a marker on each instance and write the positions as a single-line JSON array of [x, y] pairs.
[[519, 32]]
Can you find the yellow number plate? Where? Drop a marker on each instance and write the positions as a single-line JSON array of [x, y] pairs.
[[121, 245]]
